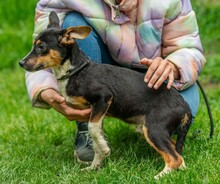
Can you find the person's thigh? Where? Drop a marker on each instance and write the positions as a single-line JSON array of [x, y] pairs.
[[191, 96], [92, 45]]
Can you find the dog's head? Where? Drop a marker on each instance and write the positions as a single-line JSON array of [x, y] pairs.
[[50, 46]]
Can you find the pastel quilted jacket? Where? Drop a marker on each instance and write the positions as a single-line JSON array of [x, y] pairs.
[[133, 30]]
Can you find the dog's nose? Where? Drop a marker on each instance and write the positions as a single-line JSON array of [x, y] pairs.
[[21, 63]]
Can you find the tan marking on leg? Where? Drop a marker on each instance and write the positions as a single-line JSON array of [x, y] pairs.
[[171, 162], [173, 142], [97, 117], [139, 128], [184, 120], [100, 145]]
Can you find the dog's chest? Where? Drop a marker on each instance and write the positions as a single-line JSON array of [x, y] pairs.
[[62, 86], [78, 102]]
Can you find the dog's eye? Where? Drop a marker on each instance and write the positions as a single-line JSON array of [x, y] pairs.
[[41, 48]]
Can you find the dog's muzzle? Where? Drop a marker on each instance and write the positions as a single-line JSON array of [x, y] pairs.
[[22, 63]]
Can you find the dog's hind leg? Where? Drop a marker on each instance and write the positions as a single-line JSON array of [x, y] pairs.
[[95, 127], [160, 140], [182, 132]]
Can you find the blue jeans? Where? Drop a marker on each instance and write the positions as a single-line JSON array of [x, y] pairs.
[[94, 47]]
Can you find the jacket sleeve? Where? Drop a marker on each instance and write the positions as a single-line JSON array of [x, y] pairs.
[[182, 45], [38, 81]]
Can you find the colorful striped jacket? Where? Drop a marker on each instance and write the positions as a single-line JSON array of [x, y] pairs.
[[134, 30]]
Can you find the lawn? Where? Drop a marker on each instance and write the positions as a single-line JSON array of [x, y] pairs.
[[36, 146]]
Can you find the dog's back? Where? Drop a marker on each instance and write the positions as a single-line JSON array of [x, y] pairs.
[[132, 96]]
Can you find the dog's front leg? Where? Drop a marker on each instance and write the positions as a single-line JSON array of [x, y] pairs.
[[100, 145], [95, 127]]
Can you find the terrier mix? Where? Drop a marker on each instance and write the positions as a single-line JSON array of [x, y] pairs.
[[111, 91]]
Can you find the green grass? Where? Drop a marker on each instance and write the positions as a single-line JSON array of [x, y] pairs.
[[208, 17], [36, 146], [17, 19]]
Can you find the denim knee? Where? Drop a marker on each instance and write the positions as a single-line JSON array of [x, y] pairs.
[[74, 19], [89, 45], [191, 96], [92, 45]]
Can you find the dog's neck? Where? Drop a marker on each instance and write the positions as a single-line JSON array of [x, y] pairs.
[[75, 61]]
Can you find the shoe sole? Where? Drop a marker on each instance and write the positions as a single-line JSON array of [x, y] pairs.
[[81, 161]]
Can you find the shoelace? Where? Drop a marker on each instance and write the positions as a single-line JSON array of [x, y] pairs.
[[88, 138]]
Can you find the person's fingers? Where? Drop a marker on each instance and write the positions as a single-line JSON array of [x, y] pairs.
[[170, 80], [146, 61], [51, 96], [71, 113], [84, 112], [154, 71], [159, 75], [159, 70], [164, 76], [78, 115], [151, 70], [58, 98]]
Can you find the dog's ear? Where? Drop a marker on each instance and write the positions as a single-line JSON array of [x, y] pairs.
[[53, 20], [73, 33]]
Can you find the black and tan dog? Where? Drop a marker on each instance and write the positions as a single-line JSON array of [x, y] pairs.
[[111, 91]]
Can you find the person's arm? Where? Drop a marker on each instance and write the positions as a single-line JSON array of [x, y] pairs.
[[182, 45], [39, 81], [182, 55]]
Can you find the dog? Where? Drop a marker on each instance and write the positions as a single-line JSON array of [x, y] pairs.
[[111, 91]]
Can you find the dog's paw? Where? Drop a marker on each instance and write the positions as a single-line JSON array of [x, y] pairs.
[[165, 171], [182, 166], [106, 152], [81, 161], [86, 169], [90, 168]]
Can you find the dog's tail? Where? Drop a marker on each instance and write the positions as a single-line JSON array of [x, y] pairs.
[[186, 121]]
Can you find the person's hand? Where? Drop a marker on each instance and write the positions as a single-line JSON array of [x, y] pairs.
[[158, 71], [58, 102]]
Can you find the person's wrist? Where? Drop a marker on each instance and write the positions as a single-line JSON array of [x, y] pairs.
[[45, 95], [175, 71]]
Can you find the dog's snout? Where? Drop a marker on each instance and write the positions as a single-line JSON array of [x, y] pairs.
[[21, 63]]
